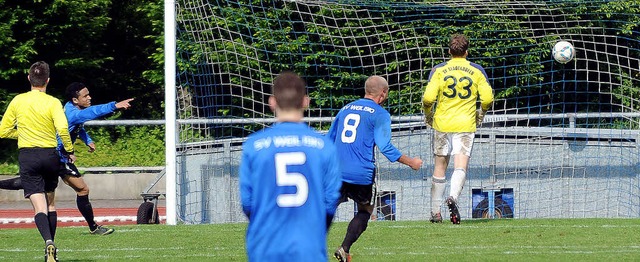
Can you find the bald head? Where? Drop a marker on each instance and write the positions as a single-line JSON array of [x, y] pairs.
[[376, 88], [375, 85]]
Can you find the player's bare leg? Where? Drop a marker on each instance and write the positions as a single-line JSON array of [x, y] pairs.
[[84, 206], [438, 184]]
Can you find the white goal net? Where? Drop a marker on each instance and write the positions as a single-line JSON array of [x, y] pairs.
[[560, 141]]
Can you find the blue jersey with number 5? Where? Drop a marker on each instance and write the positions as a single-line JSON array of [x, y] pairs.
[[289, 184], [356, 130]]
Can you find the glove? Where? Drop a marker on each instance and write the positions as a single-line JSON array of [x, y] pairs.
[[479, 116], [428, 119], [428, 114]]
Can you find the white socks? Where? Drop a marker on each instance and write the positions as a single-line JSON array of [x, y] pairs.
[[437, 192], [457, 183], [458, 178]]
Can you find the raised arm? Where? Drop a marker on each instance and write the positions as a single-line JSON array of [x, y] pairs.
[[78, 116]]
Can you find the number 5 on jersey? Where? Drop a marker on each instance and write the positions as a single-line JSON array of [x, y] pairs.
[[284, 178]]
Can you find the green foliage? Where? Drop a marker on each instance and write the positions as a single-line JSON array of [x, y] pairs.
[[337, 45], [123, 146], [9, 169], [154, 11], [8, 157], [118, 146], [105, 44]]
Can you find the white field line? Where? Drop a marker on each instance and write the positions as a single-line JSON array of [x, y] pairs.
[[25, 220], [462, 226], [375, 251]]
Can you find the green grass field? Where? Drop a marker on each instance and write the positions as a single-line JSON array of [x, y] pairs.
[[473, 240]]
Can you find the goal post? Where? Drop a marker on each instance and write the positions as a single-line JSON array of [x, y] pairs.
[[170, 109], [562, 137]]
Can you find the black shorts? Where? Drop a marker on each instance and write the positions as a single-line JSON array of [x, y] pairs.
[[68, 169], [39, 168], [361, 194]]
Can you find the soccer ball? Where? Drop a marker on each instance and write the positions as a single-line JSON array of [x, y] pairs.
[[563, 52]]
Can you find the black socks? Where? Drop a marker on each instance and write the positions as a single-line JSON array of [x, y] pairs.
[[357, 225], [84, 206], [53, 223], [42, 222]]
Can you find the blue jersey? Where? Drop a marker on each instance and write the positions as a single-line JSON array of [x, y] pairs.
[[289, 185], [356, 130], [77, 117]]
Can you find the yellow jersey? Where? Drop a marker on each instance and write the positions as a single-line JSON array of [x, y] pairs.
[[456, 86], [34, 118]]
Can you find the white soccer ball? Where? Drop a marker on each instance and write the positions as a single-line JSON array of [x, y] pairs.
[[563, 52]]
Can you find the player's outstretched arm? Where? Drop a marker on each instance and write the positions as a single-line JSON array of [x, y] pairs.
[[124, 104], [76, 116], [413, 162]]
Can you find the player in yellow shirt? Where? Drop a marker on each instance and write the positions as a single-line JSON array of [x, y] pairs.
[[456, 86], [34, 118]]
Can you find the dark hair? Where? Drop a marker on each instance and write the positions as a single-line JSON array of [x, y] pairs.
[[39, 74], [458, 45], [289, 90], [73, 90]]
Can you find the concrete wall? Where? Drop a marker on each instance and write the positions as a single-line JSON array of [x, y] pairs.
[[122, 186], [552, 176]]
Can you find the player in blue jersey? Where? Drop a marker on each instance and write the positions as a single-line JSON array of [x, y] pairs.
[[357, 129], [78, 110], [289, 181], [456, 85]]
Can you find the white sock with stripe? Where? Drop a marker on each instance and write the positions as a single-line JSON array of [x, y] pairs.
[[437, 193], [458, 178]]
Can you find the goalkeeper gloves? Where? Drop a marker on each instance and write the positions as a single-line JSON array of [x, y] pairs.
[[428, 119], [480, 116], [428, 115]]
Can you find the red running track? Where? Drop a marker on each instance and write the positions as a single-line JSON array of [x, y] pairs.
[[23, 218]]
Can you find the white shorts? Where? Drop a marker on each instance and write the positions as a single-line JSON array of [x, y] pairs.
[[447, 144]]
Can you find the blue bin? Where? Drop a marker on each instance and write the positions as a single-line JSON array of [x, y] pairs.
[[503, 202]]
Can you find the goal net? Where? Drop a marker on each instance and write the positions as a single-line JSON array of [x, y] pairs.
[[560, 141]]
